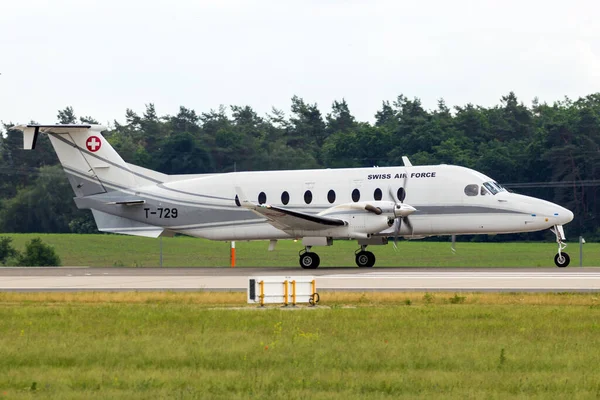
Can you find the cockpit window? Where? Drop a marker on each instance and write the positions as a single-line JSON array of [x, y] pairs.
[[490, 186], [472, 190], [500, 187], [483, 191], [493, 187]]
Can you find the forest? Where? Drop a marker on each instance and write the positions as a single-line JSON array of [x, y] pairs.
[[550, 151]]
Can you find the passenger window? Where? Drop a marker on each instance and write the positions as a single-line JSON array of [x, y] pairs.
[[401, 194], [377, 194], [285, 198], [308, 197], [355, 195], [331, 196], [471, 190], [262, 198]]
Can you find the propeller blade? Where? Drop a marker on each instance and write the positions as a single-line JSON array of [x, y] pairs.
[[391, 193], [453, 246], [396, 233], [404, 186], [409, 224]]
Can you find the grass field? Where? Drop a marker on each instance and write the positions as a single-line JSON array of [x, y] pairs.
[[353, 346], [129, 251]]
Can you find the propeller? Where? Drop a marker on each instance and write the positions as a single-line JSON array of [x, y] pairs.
[[401, 211]]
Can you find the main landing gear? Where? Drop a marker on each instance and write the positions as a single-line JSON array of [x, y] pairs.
[[561, 259], [364, 258], [310, 260]]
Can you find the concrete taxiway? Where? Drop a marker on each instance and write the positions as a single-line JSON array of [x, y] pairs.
[[236, 279]]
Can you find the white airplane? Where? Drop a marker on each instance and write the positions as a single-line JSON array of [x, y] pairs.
[[369, 205]]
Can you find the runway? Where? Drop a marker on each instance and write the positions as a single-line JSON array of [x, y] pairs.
[[236, 279]]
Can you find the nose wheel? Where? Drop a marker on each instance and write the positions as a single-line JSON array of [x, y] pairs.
[[561, 259]]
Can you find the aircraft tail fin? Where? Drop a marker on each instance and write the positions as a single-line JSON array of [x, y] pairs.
[[90, 162]]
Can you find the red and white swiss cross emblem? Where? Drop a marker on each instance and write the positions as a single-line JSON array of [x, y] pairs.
[[93, 144]]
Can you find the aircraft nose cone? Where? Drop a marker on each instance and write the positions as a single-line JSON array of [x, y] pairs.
[[568, 216], [564, 216]]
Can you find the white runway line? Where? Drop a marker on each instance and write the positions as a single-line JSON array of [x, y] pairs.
[[460, 280], [361, 280], [122, 282]]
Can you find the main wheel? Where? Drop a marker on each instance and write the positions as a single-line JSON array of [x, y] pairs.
[[309, 260], [562, 260], [365, 259]]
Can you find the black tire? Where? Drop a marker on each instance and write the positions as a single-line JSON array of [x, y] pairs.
[[317, 259], [309, 260], [562, 260], [365, 259], [371, 258]]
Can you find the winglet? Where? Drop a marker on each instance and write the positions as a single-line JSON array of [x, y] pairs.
[[406, 161]]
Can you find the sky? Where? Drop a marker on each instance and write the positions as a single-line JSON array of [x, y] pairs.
[[102, 57]]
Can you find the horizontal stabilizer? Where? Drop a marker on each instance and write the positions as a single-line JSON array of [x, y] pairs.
[[31, 132], [114, 224]]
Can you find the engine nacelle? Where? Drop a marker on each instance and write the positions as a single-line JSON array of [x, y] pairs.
[[368, 224], [363, 218], [366, 207]]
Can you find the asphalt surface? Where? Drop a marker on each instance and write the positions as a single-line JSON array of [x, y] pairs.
[[236, 279]]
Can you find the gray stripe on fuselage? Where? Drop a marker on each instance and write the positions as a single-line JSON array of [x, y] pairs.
[[460, 209], [442, 210], [224, 225], [156, 214]]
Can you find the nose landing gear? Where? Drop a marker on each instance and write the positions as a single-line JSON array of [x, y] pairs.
[[561, 259]]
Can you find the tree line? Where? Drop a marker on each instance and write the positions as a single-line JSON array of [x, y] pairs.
[[551, 151]]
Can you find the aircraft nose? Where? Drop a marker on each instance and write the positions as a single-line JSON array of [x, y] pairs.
[[564, 216]]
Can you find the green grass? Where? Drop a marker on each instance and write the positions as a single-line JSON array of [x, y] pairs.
[[130, 251], [366, 347]]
